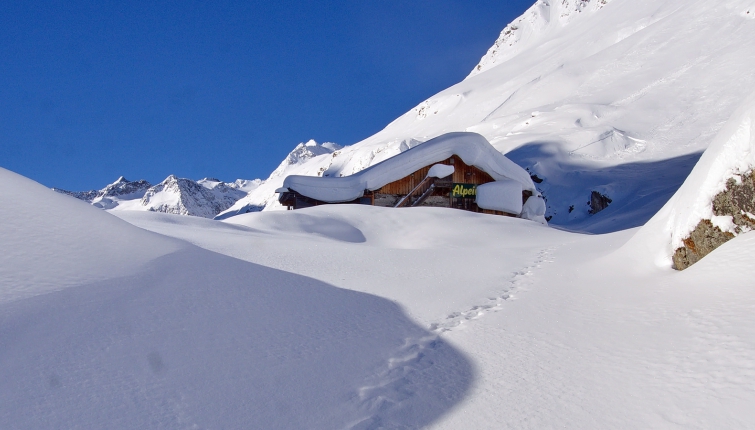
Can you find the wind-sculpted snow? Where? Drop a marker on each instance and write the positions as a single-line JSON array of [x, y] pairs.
[[731, 155], [197, 339], [105, 325], [560, 327], [544, 16], [51, 241]]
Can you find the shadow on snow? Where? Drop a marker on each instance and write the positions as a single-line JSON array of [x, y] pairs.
[[637, 189], [203, 340]]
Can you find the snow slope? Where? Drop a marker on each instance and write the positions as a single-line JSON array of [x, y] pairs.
[[296, 163], [105, 325], [618, 97], [360, 317], [731, 154], [559, 327], [51, 241]]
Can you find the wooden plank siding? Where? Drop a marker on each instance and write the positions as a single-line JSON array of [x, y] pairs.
[[390, 194], [463, 173]]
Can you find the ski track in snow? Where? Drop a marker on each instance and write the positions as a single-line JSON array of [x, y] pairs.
[[397, 382]]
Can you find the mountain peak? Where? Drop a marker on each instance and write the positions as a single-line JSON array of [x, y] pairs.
[[541, 18]]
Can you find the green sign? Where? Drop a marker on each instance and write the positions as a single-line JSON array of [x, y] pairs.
[[464, 191]]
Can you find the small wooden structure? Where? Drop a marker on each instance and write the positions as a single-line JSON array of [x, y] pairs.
[[417, 189], [420, 183]]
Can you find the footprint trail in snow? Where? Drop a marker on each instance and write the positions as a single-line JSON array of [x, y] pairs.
[[412, 379], [520, 282]]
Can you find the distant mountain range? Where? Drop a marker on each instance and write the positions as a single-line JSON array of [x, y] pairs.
[[206, 197]]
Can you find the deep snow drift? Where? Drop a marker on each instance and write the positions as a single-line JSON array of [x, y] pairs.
[[105, 325], [559, 327]]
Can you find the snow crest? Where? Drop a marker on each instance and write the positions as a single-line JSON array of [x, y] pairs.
[[524, 31]]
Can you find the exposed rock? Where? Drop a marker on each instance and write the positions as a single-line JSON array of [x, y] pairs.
[[736, 201], [702, 241], [598, 202]]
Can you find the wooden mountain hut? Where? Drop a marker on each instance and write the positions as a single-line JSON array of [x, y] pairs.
[[455, 170]]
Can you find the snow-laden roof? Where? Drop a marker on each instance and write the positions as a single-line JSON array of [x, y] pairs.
[[472, 148], [503, 196]]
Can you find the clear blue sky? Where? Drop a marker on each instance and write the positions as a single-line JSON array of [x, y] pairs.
[[93, 90]]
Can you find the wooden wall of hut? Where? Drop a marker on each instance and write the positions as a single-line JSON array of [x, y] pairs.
[[463, 173]]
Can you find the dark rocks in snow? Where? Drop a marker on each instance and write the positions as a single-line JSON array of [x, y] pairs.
[[536, 179], [598, 202], [736, 201]]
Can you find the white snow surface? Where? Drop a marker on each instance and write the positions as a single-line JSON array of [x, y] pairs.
[[305, 159], [503, 196], [360, 317], [440, 171], [472, 148], [731, 154], [51, 241], [525, 30], [351, 316], [558, 326]]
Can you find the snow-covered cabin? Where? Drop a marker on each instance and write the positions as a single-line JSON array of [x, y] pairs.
[[457, 170]]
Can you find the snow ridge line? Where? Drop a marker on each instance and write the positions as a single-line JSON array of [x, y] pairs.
[[407, 374]]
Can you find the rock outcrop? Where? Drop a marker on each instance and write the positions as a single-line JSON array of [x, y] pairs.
[[598, 202], [736, 207]]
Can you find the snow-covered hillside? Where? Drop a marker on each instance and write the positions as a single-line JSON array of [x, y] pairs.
[[730, 157], [616, 97], [307, 158]]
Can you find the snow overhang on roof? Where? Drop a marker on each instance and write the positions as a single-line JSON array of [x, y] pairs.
[[472, 148]]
